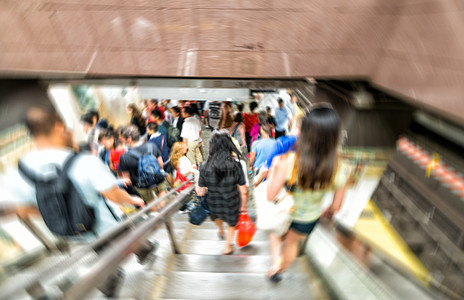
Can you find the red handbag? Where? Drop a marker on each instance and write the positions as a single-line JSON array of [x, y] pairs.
[[246, 230], [181, 179]]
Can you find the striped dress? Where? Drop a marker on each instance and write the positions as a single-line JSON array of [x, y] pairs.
[[223, 197]]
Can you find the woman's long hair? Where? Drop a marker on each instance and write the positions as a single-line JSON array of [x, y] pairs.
[[177, 151], [221, 159], [316, 155], [135, 112]]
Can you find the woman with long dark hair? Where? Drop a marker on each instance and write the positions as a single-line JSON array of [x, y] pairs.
[[222, 177], [316, 169], [237, 131], [227, 116], [136, 118]]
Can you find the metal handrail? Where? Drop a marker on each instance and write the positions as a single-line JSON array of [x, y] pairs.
[[129, 222], [75, 256], [112, 258]]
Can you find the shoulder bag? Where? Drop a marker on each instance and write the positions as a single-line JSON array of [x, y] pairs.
[[275, 216]]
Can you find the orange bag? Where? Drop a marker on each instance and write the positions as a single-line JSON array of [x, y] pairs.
[[246, 230]]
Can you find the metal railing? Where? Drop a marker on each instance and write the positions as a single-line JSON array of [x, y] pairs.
[[112, 258], [134, 222]]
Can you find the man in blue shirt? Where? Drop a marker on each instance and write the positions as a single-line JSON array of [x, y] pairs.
[[261, 149], [282, 145], [281, 119]]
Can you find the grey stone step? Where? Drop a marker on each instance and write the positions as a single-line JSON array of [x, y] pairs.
[[212, 234], [200, 285], [205, 225], [230, 264], [217, 247], [179, 216]]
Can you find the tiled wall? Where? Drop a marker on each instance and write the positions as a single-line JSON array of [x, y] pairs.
[[409, 46]]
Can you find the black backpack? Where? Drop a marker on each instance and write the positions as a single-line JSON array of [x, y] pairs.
[[61, 205]]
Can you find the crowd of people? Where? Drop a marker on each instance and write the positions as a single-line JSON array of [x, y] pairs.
[[161, 124], [253, 144]]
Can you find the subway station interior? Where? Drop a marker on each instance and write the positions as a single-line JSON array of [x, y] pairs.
[[392, 70]]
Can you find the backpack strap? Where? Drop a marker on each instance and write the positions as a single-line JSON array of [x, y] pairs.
[[134, 154], [150, 148], [32, 177], [290, 184], [26, 172], [234, 131], [234, 128], [69, 161]]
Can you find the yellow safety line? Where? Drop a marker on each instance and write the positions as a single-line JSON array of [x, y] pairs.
[[384, 237]]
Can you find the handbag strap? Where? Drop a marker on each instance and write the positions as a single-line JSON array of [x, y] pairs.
[[290, 185], [179, 176]]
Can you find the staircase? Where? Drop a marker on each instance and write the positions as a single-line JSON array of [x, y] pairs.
[[201, 272]]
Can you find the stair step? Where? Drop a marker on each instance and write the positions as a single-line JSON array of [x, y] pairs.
[[208, 247], [200, 285], [230, 264], [205, 225], [180, 216], [162, 234], [212, 234]]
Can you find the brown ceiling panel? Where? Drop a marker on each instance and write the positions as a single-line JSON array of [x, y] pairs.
[[214, 28], [82, 58], [424, 58], [248, 64], [111, 28], [41, 27], [259, 5], [14, 29], [178, 29], [145, 29], [432, 87], [412, 47], [250, 30], [76, 27], [115, 62], [218, 63]]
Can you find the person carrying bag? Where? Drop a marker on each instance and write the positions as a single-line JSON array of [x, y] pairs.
[[275, 216], [246, 230], [199, 212], [318, 171]]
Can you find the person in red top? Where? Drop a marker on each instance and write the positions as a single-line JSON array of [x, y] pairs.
[[250, 119], [115, 155], [153, 105]]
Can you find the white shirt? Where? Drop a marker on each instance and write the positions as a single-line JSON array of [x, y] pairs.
[[89, 174], [174, 122], [156, 134], [191, 129], [185, 166], [168, 117], [206, 106]]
